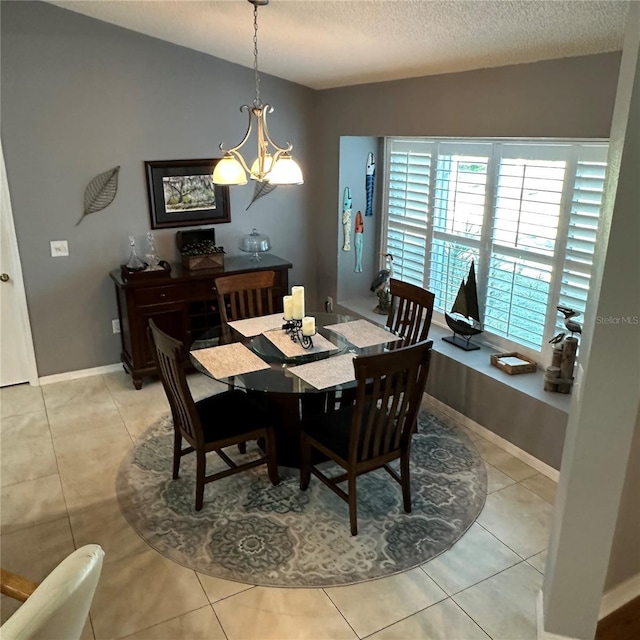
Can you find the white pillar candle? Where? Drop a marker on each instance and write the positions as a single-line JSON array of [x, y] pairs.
[[297, 309], [287, 306], [308, 326]]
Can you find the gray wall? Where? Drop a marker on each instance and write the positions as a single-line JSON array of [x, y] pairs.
[[624, 561], [353, 163], [571, 97], [81, 96], [520, 418]]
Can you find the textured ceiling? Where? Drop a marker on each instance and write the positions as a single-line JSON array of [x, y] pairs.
[[327, 43]]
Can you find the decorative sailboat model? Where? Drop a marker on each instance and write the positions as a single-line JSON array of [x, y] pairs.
[[464, 317]]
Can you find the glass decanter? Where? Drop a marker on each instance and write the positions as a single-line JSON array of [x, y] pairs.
[[152, 257], [134, 264]]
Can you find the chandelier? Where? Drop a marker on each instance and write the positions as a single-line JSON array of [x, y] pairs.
[[273, 164]]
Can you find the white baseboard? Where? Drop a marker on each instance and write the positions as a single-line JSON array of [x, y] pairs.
[[542, 634], [619, 596], [82, 373], [489, 435]]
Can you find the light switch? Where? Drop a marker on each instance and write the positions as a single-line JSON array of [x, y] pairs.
[[59, 248]]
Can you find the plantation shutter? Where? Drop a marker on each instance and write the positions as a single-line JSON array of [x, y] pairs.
[[583, 226], [525, 212], [408, 202], [529, 191], [458, 213]]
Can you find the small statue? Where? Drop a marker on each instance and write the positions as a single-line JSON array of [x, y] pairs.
[[559, 375], [572, 325], [381, 281], [384, 302], [380, 285]]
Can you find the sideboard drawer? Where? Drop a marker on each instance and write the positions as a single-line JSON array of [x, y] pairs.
[[203, 290], [159, 295]]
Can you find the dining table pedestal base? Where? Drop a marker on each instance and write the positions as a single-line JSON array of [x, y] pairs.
[[286, 410]]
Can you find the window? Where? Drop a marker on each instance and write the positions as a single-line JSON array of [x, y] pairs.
[[525, 212]]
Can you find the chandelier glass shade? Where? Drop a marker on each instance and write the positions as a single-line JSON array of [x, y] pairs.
[[273, 163]]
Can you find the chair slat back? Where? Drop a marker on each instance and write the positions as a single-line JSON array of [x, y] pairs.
[[248, 295], [389, 392], [410, 312], [170, 359]]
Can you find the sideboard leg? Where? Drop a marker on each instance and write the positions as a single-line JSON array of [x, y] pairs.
[[137, 383]]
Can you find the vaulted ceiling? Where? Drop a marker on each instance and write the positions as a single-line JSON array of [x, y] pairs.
[[332, 43]]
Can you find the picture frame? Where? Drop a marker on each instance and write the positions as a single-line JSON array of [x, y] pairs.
[[181, 194]]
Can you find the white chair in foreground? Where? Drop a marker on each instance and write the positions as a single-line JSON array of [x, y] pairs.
[[58, 607]]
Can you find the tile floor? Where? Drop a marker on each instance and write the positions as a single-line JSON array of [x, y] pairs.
[[61, 447]]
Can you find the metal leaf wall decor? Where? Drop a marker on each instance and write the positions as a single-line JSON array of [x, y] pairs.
[[100, 192], [261, 189]]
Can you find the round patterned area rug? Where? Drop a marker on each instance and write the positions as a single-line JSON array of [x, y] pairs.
[[250, 531]]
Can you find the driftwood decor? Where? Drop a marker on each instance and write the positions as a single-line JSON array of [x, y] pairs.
[[100, 192], [559, 376]]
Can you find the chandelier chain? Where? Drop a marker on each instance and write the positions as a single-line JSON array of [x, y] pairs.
[[257, 102], [273, 164]]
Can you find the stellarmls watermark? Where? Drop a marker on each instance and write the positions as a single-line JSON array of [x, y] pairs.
[[617, 319]]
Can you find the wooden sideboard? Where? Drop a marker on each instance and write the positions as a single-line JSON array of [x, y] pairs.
[[183, 304]]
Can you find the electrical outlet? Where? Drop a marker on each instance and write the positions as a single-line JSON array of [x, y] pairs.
[[59, 248], [115, 325], [328, 305]]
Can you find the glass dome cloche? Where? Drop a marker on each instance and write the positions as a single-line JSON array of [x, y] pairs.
[[255, 243]]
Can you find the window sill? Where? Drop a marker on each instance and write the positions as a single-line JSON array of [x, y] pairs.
[[531, 384]]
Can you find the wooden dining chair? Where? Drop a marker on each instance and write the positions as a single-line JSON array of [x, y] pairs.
[[211, 424], [375, 429], [240, 296], [410, 311], [245, 295]]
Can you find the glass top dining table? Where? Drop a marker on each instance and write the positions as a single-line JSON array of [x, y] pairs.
[[278, 378], [287, 397]]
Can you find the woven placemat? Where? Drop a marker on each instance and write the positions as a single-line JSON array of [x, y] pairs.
[[255, 326], [328, 372], [362, 333], [229, 360], [292, 349]]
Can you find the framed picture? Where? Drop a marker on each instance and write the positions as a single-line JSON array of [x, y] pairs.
[[181, 194]]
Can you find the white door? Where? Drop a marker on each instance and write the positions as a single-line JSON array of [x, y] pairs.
[[17, 359]]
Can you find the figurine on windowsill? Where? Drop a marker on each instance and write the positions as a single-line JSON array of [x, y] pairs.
[[384, 302], [380, 286], [559, 375]]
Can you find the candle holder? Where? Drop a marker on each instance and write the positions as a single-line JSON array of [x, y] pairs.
[[293, 329]]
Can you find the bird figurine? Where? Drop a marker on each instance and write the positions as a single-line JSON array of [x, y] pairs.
[[571, 325], [557, 339], [384, 275]]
